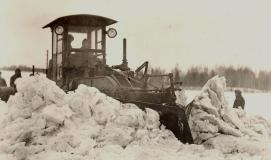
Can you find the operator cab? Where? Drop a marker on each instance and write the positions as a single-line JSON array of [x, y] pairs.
[[78, 46]]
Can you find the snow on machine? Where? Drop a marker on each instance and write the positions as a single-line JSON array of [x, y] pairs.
[[79, 57]]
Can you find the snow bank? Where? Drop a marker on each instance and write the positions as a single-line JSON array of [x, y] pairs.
[[3, 110], [42, 122], [217, 125]]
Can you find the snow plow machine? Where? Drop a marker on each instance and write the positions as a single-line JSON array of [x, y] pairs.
[[79, 57]]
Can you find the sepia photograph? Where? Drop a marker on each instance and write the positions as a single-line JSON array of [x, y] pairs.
[[135, 80]]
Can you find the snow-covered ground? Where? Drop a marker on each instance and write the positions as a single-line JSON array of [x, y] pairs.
[[7, 74], [42, 122]]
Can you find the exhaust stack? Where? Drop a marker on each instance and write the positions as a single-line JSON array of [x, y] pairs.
[[124, 59], [124, 65]]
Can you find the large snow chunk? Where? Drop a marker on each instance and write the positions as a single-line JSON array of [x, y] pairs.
[[36, 102], [218, 126], [79, 106], [103, 113], [52, 113], [113, 134], [41, 86], [217, 85], [3, 110], [152, 119], [230, 144], [204, 103], [181, 98], [130, 116]]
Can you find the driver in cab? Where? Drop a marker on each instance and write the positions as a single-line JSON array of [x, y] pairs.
[[89, 57]]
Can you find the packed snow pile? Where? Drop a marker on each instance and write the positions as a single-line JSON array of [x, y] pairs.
[[215, 124], [42, 122], [181, 98]]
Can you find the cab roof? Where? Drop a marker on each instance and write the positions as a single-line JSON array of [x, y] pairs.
[[81, 19]]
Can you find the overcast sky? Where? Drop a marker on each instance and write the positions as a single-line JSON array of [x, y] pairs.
[[192, 32]]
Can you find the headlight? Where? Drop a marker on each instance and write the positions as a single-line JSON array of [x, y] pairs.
[[59, 30], [112, 33]]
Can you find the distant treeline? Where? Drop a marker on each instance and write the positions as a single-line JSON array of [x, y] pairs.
[[197, 76], [236, 77], [22, 68]]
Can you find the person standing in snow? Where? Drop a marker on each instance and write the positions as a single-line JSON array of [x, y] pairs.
[[2, 81], [14, 77], [239, 100]]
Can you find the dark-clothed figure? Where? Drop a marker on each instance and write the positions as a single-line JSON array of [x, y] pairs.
[[90, 57], [70, 39], [2, 81], [239, 100], [85, 44], [14, 77]]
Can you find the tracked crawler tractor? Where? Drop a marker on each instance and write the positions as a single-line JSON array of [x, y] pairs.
[[79, 57]]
